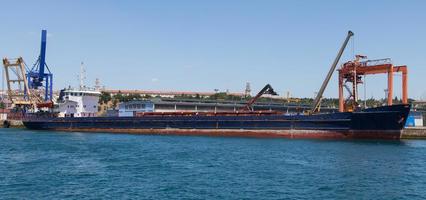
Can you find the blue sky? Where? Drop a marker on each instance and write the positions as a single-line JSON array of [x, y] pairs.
[[204, 45]]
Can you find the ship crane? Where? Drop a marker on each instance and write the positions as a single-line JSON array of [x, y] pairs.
[[266, 90], [317, 101]]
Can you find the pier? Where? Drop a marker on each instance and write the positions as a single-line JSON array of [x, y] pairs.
[[414, 133], [11, 123]]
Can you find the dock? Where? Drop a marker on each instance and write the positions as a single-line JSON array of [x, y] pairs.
[[414, 133], [11, 124]]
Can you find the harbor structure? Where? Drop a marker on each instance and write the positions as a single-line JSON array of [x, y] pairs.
[[30, 88], [414, 119], [353, 73], [128, 109], [191, 105], [167, 94]]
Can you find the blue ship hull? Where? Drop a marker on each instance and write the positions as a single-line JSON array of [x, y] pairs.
[[384, 122]]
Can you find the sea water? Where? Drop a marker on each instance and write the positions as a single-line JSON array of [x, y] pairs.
[[63, 165]]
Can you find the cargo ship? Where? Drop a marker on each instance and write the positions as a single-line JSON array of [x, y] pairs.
[[77, 110], [384, 122]]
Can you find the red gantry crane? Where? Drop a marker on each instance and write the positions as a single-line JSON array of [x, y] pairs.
[[353, 71]]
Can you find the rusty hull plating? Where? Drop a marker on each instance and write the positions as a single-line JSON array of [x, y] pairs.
[[375, 123]]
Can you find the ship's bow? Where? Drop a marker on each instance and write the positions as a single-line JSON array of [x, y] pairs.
[[384, 122]]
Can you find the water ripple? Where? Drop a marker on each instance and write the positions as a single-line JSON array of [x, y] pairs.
[[55, 165]]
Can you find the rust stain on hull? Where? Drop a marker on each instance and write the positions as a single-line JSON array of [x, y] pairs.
[[312, 134]]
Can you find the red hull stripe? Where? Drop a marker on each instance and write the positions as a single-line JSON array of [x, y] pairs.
[[319, 134]]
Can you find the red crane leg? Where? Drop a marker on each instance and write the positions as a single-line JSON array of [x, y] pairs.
[[341, 101], [404, 87], [390, 85]]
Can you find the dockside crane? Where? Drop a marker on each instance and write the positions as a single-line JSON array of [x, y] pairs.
[[266, 90], [317, 101], [18, 91], [25, 85], [352, 72], [39, 76]]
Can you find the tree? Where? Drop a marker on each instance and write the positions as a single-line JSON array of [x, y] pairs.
[[105, 97], [115, 103], [118, 97], [132, 97]]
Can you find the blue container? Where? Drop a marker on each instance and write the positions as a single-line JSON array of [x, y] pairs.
[[414, 118]]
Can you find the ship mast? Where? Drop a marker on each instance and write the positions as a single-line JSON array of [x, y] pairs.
[[82, 76]]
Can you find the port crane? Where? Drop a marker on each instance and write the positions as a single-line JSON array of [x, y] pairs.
[[266, 90], [39, 76], [26, 85], [317, 101], [353, 71], [17, 86]]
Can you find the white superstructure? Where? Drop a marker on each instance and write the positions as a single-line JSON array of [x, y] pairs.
[[79, 103]]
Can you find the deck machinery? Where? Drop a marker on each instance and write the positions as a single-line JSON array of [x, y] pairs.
[[266, 90], [317, 101]]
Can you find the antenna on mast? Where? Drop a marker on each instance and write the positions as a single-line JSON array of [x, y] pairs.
[[82, 76], [97, 84]]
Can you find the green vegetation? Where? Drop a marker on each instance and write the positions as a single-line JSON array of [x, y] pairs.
[[185, 96], [126, 98], [107, 97], [223, 96], [104, 98]]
